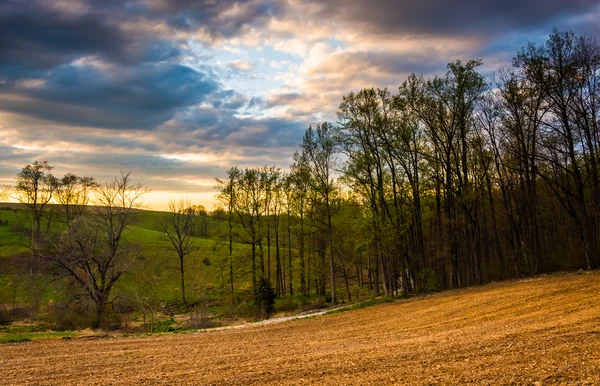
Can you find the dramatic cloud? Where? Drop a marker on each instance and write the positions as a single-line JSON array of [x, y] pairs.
[[455, 18], [179, 90], [40, 40], [85, 95]]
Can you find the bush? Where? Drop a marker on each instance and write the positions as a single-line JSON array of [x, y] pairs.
[[288, 303], [199, 317], [264, 298], [5, 315], [428, 279], [18, 227], [244, 310], [318, 303], [67, 316], [112, 319]]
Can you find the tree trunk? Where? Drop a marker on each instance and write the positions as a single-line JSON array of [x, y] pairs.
[[182, 270], [331, 260]]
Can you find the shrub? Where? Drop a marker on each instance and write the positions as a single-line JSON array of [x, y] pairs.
[[318, 303], [288, 303], [5, 315], [69, 316], [428, 279], [18, 227], [264, 298], [199, 317], [244, 310]]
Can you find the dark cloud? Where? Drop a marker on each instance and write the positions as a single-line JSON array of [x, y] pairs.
[[221, 18], [9, 153], [454, 17], [228, 100], [39, 39], [35, 37], [142, 97], [220, 126], [135, 81], [255, 103]]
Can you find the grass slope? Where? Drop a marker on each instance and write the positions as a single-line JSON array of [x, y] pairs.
[[537, 331], [11, 243], [157, 259]]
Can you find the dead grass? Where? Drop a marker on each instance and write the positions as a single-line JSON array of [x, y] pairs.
[[538, 331]]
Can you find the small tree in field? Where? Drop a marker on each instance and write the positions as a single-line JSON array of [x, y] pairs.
[[178, 224], [147, 293], [35, 189]]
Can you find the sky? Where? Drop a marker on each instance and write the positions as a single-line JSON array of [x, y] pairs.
[[178, 91]]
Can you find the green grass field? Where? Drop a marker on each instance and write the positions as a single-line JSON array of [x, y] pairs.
[[11, 242], [154, 272]]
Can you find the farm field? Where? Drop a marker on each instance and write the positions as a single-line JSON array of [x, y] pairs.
[[544, 330]]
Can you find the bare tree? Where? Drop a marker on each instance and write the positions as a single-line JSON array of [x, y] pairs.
[[178, 224], [94, 251]]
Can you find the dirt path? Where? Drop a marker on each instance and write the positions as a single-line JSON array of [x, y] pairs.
[[538, 331], [303, 315]]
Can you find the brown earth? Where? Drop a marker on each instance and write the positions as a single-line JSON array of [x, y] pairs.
[[537, 331]]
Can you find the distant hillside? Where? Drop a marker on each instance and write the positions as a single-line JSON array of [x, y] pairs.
[[10, 205], [16, 205]]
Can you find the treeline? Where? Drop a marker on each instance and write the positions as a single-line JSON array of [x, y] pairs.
[[452, 181]]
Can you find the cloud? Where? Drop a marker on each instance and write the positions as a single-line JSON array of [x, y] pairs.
[[454, 17], [40, 40], [241, 65], [210, 21], [282, 99], [217, 127], [179, 90], [125, 97]]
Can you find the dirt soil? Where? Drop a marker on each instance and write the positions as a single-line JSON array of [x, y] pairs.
[[537, 331]]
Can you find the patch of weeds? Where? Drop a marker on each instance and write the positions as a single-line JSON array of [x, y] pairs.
[[14, 338], [24, 329], [165, 325], [363, 304], [27, 337], [317, 303], [285, 304]]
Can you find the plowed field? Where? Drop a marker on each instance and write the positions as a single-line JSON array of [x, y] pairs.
[[537, 331]]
